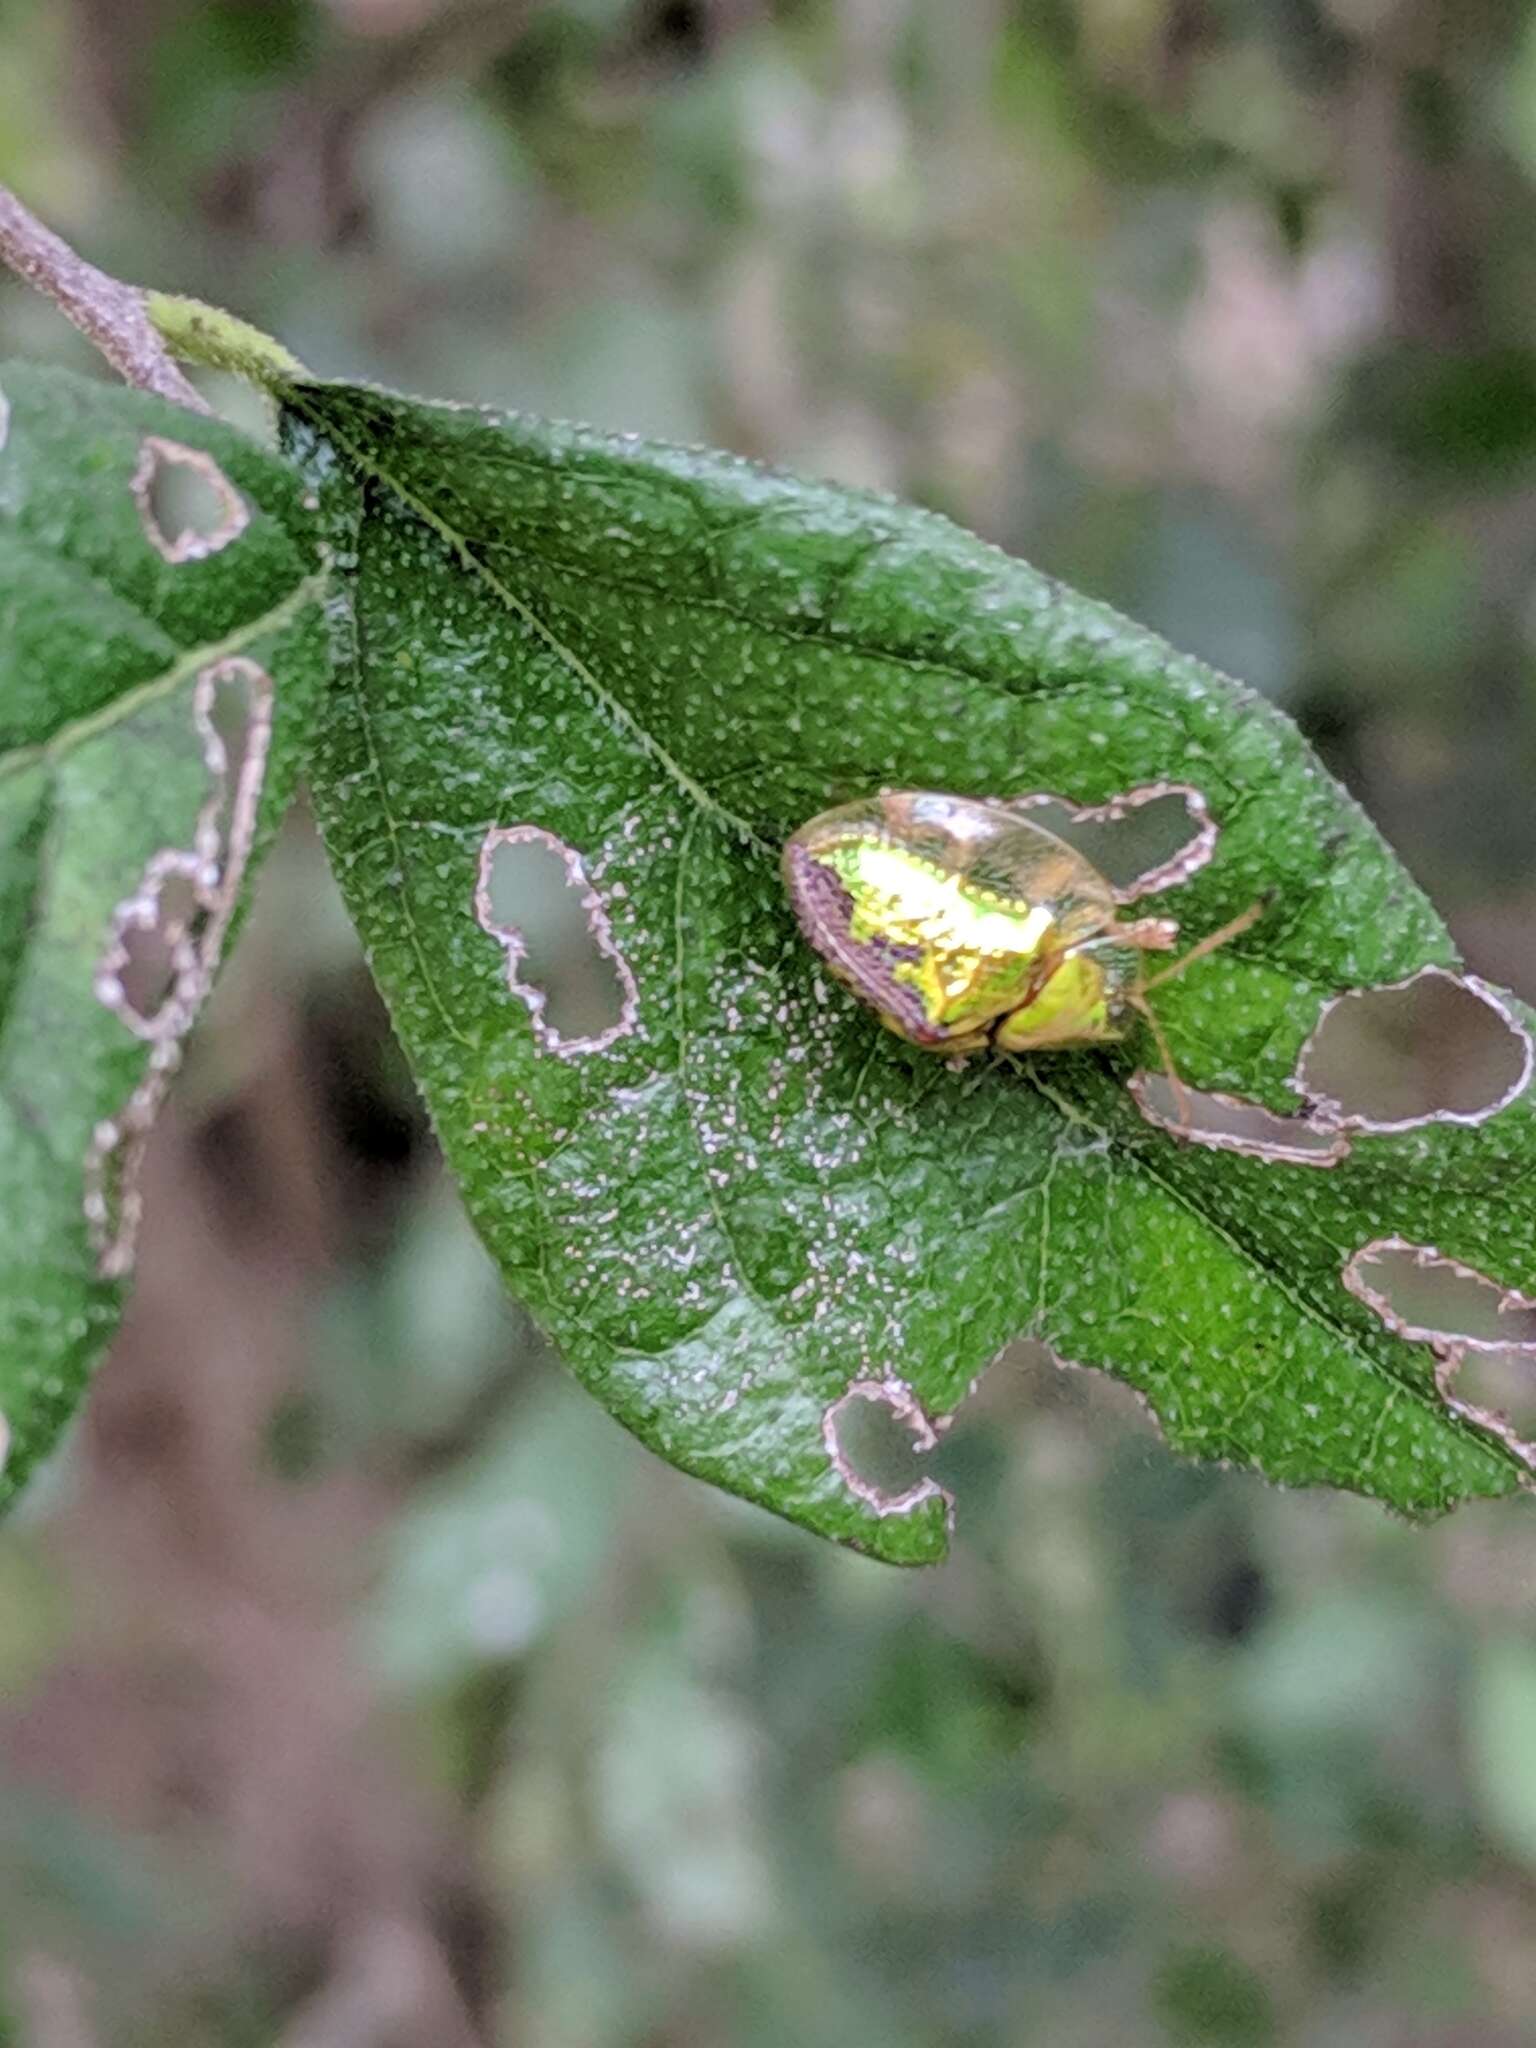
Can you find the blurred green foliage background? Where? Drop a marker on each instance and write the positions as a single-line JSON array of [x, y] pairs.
[[360, 1683]]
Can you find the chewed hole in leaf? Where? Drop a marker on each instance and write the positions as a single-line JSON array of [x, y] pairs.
[[1229, 1123], [534, 896], [233, 710], [189, 507], [1437, 1048], [876, 1435], [156, 955], [113, 1205], [1421, 1294], [879, 1446], [1497, 1385], [228, 716], [1149, 839], [166, 939]]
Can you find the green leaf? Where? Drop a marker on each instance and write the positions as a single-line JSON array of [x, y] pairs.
[[140, 633], [751, 1197]]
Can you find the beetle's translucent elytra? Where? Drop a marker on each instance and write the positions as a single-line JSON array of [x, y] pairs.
[[963, 924]]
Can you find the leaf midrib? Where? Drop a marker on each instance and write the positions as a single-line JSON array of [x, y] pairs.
[[465, 547], [369, 466], [51, 752], [75, 732], [1342, 1333]]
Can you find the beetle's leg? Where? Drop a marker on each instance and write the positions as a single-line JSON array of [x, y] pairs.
[[1209, 943], [1150, 934], [1071, 1007], [1184, 1120]]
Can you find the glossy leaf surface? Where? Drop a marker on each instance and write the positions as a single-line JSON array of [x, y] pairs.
[[746, 1197]]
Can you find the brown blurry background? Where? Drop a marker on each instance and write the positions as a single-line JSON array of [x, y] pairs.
[[361, 1685]]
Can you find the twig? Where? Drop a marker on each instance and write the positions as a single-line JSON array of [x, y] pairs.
[[110, 314]]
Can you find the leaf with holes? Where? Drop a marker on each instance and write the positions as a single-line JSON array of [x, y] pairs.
[[737, 1202], [161, 650]]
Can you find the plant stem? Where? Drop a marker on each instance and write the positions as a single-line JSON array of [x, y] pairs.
[[111, 315]]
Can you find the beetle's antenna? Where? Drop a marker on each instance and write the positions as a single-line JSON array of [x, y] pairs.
[[1210, 943], [1165, 1054]]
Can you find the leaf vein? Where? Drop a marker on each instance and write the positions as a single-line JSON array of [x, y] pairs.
[[520, 608], [78, 730], [1346, 1338]]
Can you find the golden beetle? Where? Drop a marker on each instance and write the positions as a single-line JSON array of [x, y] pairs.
[[963, 924]]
